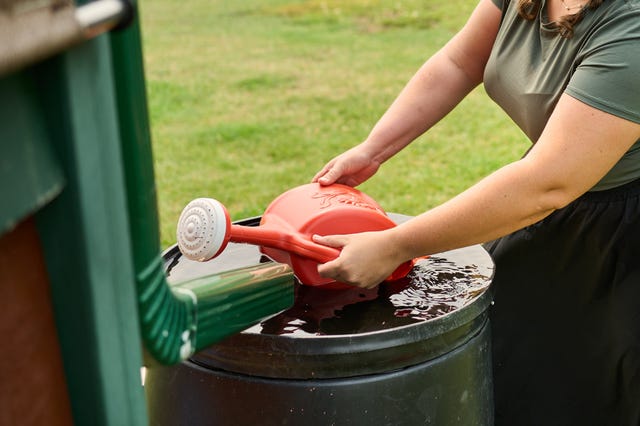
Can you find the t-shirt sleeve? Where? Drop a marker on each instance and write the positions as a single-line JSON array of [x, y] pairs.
[[502, 4], [607, 75]]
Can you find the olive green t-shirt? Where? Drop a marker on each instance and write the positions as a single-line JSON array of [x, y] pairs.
[[531, 66]]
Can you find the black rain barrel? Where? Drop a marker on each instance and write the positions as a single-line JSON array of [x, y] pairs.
[[411, 352]]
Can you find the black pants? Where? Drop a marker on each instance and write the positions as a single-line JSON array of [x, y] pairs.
[[566, 315]]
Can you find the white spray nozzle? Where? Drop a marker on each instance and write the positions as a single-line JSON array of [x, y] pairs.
[[202, 229]]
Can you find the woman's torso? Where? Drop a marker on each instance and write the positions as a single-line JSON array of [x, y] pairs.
[[531, 66]]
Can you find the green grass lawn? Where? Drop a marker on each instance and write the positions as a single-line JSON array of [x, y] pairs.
[[250, 98]]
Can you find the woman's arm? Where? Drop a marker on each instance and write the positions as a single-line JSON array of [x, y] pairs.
[[437, 87], [579, 145]]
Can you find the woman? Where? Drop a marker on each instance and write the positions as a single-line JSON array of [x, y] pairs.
[[562, 223]]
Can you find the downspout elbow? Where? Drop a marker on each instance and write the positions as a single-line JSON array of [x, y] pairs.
[[178, 320]]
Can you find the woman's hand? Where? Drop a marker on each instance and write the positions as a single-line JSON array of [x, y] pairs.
[[349, 168], [365, 261]]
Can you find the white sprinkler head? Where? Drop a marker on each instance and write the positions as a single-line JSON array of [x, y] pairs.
[[202, 229]]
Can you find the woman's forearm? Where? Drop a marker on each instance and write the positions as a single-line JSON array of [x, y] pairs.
[[505, 201]]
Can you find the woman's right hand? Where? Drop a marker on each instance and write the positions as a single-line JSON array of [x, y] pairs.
[[350, 168]]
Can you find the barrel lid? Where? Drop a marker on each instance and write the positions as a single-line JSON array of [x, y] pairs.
[[330, 333]]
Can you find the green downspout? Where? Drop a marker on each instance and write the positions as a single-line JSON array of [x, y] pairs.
[[178, 320]]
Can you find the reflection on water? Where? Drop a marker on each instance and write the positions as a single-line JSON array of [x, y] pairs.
[[439, 286], [435, 287]]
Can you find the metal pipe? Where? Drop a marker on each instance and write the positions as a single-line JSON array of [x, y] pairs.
[[32, 35], [101, 16]]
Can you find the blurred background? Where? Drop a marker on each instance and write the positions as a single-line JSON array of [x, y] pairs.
[[249, 99]]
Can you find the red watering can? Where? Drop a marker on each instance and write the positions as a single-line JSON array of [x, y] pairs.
[[286, 228]]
